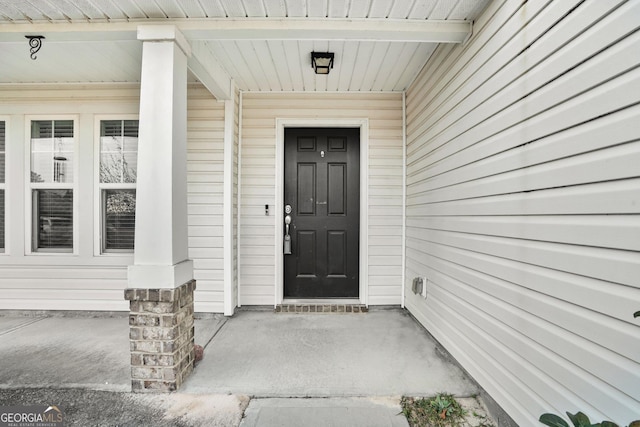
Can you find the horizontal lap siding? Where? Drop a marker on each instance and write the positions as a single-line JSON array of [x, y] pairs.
[[523, 202], [86, 281], [384, 111], [205, 175], [60, 282], [62, 286]]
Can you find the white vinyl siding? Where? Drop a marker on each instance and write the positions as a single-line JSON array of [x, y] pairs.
[[3, 155], [260, 111], [87, 280], [61, 281], [523, 202], [205, 176]]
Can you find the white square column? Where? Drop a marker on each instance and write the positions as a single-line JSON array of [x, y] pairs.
[[161, 245], [161, 285]]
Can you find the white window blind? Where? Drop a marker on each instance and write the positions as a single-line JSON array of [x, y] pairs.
[[118, 169], [119, 219], [54, 224], [2, 151], [2, 244]]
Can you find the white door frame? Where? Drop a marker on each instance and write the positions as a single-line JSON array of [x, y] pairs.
[[363, 125]]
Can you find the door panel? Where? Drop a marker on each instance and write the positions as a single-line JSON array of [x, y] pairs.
[[336, 254], [306, 189], [306, 253], [337, 193], [322, 185]]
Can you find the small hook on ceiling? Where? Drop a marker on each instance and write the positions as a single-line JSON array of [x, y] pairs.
[[35, 43]]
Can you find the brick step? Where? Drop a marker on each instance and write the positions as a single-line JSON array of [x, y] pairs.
[[321, 308]]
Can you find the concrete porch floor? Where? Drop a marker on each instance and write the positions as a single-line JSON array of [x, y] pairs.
[[379, 353], [349, 369]]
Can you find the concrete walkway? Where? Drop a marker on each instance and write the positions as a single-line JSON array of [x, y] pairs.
[[299, 369], [352, 412]]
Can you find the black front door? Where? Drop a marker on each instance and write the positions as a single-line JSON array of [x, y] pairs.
[[322, 188]]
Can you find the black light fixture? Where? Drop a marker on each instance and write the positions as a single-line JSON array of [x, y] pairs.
[[322, 62]]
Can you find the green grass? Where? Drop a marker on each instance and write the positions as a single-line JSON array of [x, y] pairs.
[[441, 410]]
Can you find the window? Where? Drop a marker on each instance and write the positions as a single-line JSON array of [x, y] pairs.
[[52, 176], [2, 183], [118, 168]]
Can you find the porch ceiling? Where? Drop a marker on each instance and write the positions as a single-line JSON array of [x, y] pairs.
[[263, 45]]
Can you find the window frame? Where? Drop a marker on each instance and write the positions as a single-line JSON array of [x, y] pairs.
[[30, 236], [100, 189], [4, 187]]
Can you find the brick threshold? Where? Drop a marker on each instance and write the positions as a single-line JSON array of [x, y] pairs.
[[321, 308]]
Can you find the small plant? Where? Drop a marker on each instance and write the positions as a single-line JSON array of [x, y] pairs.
[[579, 420], [438, 411], [443, 405]]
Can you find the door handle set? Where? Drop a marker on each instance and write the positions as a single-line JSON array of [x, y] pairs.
[[287, 237]]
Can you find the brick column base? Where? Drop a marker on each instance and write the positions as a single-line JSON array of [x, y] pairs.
[[161, 337]]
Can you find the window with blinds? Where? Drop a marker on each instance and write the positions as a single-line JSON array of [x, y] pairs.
[[52, 146], [119, 218], [54, 223], [118, 169], [2, 233], [2, 183], [118, 151], [52, 160]]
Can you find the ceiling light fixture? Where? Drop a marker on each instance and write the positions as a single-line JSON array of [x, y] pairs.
[[322, 62]]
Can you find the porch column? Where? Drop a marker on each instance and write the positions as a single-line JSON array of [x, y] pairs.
[[160, 282]]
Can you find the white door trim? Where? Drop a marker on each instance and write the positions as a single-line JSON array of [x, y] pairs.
[[363, 124]]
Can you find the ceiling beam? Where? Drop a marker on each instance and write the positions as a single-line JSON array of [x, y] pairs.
[[399, 30], [200, 60], [404, 30], [204, 65]]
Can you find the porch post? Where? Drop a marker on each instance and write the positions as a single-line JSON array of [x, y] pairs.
[[160, 282]]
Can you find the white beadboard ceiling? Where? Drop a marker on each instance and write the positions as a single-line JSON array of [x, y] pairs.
[[95, 40]]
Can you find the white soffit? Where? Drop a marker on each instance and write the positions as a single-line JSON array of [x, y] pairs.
[[263, 45], [34, 11]]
